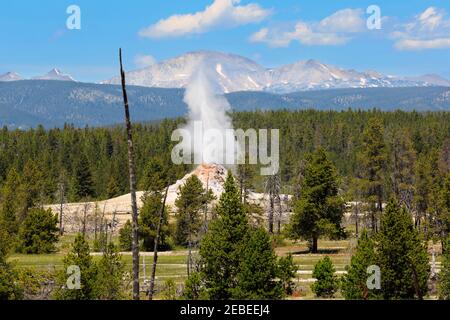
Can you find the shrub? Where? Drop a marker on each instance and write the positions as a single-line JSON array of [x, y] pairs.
[[38, 232], [327, 283], [126, 237]]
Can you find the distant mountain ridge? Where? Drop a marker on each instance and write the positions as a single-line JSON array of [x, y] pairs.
[[236, 73], [54, 74], [10, 76], [29, 103]]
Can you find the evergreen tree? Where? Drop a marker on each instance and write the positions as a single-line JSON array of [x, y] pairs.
[[403, 158], [82, 184], [326, 283], [194, 288], [444, 157], [236, 261], [109, 277], [245, 174], [422, 188], [373, 159], [156, 175], [190, 202], [9, 206], [432, 219], [148, 222], [258, 269], [443, 215], [401, 256], [444, 275], [39, 232], [31, 187], [125, 237], [287, 270], [354, 283], [221, 248], [9, 288], [319, 210], [113, 188], [78, 256]]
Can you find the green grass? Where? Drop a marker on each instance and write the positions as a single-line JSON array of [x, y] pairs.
[[173, 265]]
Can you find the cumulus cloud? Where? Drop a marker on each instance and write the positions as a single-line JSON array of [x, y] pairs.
[[220, 13], [143, 61], [336, 29], [428, 30], [345, 21]]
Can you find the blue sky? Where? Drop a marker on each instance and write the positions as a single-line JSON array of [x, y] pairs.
[[414, 38]]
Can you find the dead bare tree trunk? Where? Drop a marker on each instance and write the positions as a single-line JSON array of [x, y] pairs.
[[189, 257], [271, 210], [205, 209], [134, 209], [84, 219], [61, 209], [155, 249], [272, 189], [280, 214]]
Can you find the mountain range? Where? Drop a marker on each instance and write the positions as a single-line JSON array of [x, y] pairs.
[[156, 92], [236, 73], [29, 103], [54, 74]]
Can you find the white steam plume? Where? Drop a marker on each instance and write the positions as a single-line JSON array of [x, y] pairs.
[[209, 125]]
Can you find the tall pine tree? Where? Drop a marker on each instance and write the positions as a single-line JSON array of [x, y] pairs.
[[258, 270], [222, 246], [401, 256], [373, 160], [78, 256], [320, 209], [444, 275], [190, 201], [354, 283], [82, 187]]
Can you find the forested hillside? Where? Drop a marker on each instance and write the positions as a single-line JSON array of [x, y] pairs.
[[26, 104], [97, 156]]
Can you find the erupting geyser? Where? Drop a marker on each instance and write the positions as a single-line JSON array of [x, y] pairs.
[[210, 128]]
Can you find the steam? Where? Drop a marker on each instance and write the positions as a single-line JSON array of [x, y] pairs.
[[209, 125], [209, 138]]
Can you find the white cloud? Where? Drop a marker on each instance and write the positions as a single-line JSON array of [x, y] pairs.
[[143, 61], [221, 12], [345, 21], [428, 30], [336, 29], [431, 18], [413, 44]]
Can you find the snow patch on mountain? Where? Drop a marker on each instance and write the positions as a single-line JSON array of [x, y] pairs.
[[233, 72], [10, 76], [55, 74], [236, 73]]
